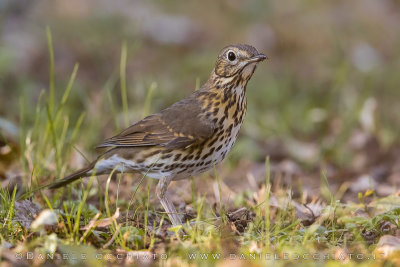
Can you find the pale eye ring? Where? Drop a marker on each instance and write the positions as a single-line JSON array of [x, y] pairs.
[[231, 56]]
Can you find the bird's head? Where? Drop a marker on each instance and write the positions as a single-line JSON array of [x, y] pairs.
[[239, 59]]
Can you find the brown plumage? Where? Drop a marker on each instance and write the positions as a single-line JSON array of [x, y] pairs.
[[187, 138], [166, 128]]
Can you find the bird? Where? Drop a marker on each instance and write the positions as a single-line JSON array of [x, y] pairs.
[[187, 138]]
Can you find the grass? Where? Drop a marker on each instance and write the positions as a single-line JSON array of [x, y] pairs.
[[270, 231]]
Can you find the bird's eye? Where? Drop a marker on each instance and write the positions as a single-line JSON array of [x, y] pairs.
[[231, 56]]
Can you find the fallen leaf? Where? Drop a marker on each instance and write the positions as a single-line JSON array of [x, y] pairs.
[[46, 217], [369, 236], [94, 223], [387, 246], [305, 214], [25, 212], [239, 219], [308, 213], [388, 227]]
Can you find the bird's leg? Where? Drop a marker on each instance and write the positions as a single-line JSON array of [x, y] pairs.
[[162, 194]]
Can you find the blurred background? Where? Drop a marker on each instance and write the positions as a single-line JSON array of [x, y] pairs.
[[328, 98]]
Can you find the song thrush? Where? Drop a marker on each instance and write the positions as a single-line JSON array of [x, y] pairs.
[[187, 138]]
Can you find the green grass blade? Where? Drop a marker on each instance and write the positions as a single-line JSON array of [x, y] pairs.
[[70, 83], [54, 139], [11, 208], [149, 97], [51, 69], [267, 197], [80, 207], [124, 95]]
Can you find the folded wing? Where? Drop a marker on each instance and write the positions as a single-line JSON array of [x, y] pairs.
[[178, 126]]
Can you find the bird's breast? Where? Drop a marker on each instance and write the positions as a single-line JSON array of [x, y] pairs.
[[227, 114]]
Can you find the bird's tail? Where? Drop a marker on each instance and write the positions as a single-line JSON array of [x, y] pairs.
[[66, 180], [72, 177]]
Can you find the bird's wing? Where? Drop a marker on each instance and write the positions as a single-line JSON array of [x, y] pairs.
[[178, 126]]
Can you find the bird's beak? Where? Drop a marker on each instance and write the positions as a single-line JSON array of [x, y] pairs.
[[258, 58]]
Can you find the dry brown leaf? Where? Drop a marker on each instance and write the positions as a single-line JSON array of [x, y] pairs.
[[388, 246], [25, 212], [239, 219], [45, 218], [94, 223], [308, 213]]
